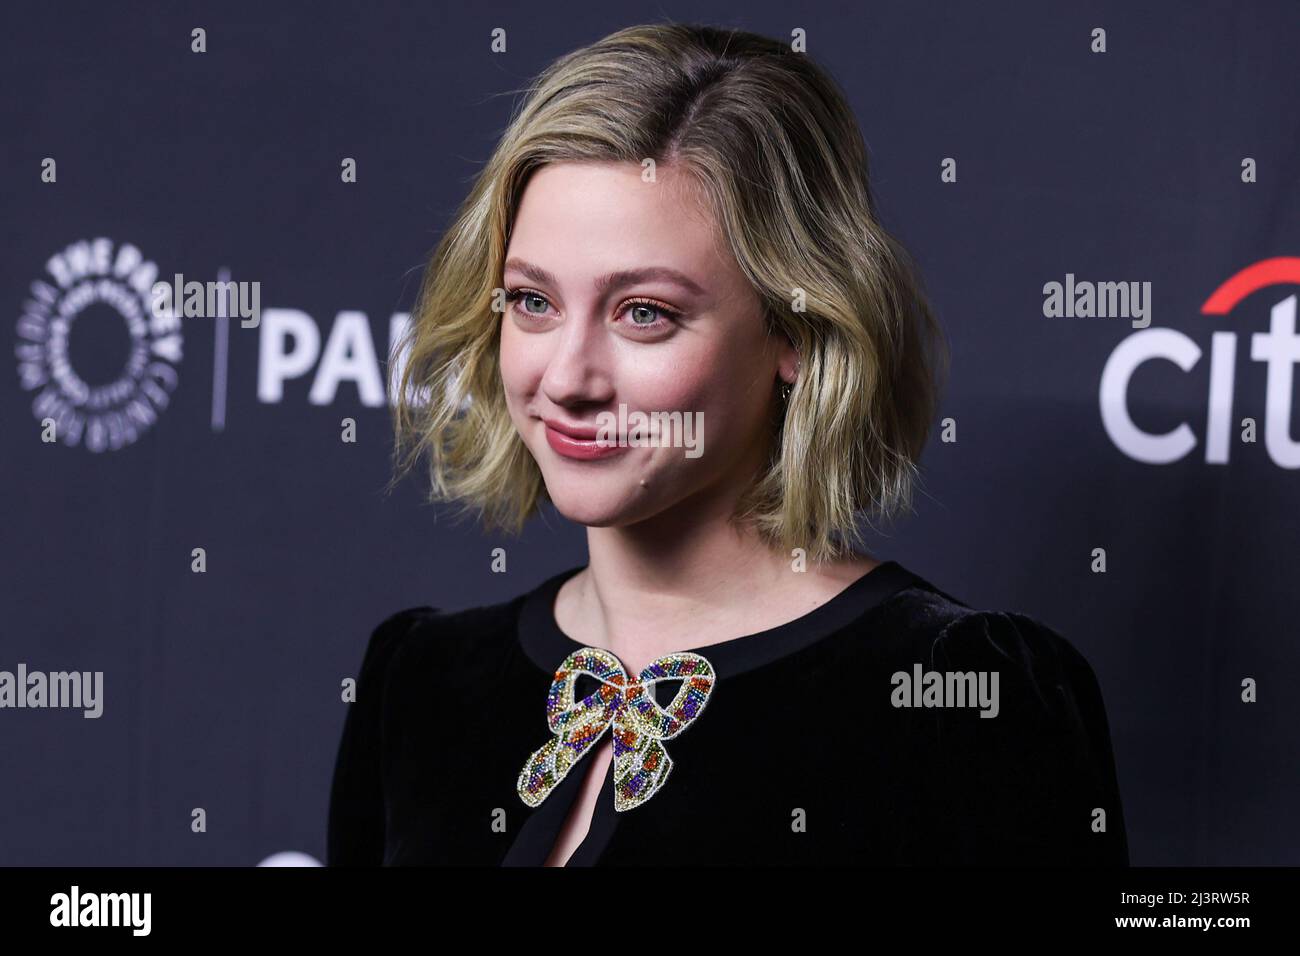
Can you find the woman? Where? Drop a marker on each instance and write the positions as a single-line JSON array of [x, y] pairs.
[[668, 307]]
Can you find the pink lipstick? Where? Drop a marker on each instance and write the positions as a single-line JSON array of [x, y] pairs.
[[579, 441]]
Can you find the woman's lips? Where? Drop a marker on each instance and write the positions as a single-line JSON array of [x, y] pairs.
[[581, 449]]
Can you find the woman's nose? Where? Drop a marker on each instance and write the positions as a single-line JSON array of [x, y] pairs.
[[578, 369]]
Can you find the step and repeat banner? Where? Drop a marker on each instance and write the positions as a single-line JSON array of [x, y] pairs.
[[1104, 201]]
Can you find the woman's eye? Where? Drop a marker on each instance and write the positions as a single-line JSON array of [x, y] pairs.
[[648, 315], [531, 299], [644, 314], [641, 314], [529, 304]]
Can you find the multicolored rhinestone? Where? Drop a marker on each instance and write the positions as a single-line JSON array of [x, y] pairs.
[[639, 724]]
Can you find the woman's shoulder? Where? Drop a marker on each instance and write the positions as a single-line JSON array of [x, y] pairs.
[[928, 625], [1021, 747], [965, 666], [428, 628]]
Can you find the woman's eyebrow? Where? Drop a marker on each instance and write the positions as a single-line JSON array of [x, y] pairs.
[[613, 280]]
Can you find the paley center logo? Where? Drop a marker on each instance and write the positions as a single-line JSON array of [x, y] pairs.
[[1278, 349], [100, 386], [96, 391]]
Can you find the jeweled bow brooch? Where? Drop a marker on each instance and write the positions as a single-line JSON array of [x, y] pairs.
[[640, 725]]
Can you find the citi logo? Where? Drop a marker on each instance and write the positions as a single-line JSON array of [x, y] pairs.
[[1278, 349]]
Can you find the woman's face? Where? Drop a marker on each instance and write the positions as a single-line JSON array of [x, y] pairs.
[[583, 334]]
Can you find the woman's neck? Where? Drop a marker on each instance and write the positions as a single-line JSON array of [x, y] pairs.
[[641, 600]]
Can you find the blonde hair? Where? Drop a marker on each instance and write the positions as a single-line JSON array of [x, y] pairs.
[[771, 143]]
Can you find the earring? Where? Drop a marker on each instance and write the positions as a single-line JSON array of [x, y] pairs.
[[786, 387]]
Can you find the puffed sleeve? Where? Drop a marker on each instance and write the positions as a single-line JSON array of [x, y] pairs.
[[1035, 784], [356, 807]]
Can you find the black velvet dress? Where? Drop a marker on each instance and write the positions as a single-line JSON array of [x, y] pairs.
[[842, 737]]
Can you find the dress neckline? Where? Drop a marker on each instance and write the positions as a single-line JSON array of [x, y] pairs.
[[547, 646]]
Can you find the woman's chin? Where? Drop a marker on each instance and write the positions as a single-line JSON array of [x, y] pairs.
[[582, 506]]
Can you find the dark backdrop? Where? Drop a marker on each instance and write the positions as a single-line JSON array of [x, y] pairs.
[[221, 689]]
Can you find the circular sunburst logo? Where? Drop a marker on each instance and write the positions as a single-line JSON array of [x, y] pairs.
[[100, 357]]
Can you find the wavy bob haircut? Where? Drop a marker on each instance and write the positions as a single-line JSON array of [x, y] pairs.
[[773, 150]]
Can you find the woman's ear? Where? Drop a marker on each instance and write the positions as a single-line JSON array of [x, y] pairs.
[[788, 363]]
